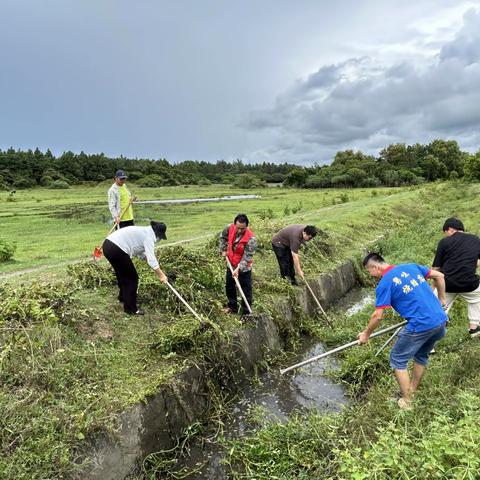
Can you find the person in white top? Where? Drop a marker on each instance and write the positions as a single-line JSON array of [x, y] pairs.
[[121, 246]]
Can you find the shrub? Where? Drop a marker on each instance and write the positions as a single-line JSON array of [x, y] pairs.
[[317, 181], [266, 214], [59, 185], [7, 250], [245, 180], [204, 182], [297, 208], [23, 182], [275, 178], [154, 180], [46, 181]]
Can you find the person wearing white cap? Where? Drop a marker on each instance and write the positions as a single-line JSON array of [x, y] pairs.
[[120, 201], [119, 248]]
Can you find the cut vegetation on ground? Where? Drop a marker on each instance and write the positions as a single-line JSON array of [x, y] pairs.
[[71, 361]]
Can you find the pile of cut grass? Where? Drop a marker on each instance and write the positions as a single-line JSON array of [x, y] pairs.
[[72, 361]]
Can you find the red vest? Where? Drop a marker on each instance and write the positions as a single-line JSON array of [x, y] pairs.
[[235, 256]]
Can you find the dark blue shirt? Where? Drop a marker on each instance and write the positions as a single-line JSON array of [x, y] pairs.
[[404, 287]]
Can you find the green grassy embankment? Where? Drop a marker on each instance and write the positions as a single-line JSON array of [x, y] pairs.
[[71, 361], [373, 439]]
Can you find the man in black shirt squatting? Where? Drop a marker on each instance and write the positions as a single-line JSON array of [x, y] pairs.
[[457, 257]]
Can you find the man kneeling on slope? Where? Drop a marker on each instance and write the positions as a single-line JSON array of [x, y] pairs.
[[238, 244], [404, 287]]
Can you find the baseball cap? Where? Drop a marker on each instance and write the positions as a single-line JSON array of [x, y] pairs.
[[159, 228], [120, 174], [453, 223]]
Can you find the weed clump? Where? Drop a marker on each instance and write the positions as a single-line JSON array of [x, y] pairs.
[[34, 303], [7, 250], [90, 274]]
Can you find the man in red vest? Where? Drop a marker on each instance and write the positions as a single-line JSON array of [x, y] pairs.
[[238, 243]]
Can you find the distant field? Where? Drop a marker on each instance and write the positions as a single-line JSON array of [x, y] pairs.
[[52, 227]]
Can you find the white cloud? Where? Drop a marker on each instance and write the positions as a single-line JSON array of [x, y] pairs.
[[407, 92]]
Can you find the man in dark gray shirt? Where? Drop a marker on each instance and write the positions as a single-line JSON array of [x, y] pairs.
[[286, 243]]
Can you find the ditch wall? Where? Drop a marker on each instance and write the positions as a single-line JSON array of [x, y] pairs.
[[156, 423]]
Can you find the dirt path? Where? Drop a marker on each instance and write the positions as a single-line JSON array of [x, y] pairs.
[[59, 265]]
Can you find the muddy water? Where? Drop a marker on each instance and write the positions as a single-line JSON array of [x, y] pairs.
[[275, 396]]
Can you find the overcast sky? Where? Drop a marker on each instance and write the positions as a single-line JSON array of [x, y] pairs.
[[271, 80]]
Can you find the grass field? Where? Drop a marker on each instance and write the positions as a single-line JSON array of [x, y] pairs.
[[52, 227], [373, 439], [71, 361]]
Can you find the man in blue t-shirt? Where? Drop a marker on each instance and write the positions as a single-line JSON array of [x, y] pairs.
[[405, 289]]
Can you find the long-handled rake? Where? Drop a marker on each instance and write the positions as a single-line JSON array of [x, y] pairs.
[[98, 250], [385, 345], [189, 308], [317, 301], [343, 347], [237, 282]]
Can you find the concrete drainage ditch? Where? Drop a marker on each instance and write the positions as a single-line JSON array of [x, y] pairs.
[[159, 421]]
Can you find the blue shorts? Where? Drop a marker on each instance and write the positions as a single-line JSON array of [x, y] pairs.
[[415, 345]]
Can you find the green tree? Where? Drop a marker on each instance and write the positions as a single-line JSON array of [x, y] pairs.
[[296, 178], [472, 167], [433, 168]]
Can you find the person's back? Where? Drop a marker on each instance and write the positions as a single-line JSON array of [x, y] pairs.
[[457, 257], [404, 288], [133, 240], [290, 237]]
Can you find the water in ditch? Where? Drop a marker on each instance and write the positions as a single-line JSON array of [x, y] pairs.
[[276, 397]]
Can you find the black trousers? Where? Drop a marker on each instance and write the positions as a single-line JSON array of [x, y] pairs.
[[245, 279], [126, 223], [127, 276], [285, 262]]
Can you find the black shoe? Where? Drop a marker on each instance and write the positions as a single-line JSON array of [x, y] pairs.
[[138, 312], [474, 332]]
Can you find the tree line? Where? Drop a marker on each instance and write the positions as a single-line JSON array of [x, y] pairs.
[[397, 164]]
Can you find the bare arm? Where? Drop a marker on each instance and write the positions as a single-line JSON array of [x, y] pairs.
[[296, 263], [439, 280], [375, 319]]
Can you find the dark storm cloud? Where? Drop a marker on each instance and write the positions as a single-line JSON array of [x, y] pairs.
[[368, 103]]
